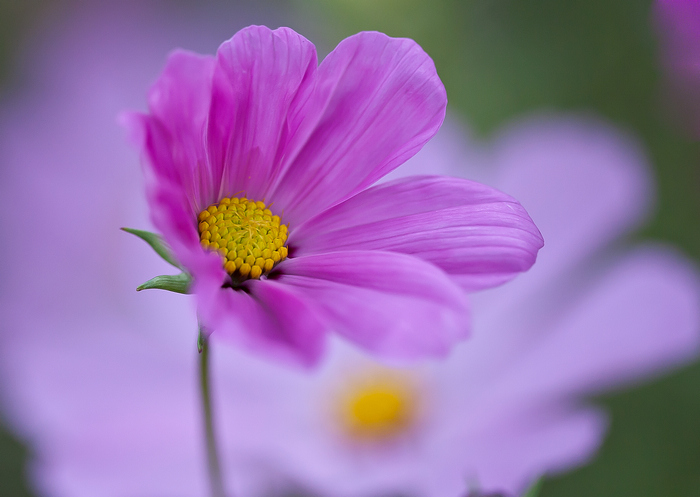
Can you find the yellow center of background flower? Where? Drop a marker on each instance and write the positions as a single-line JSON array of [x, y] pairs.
[[247, 235], [378, 408]]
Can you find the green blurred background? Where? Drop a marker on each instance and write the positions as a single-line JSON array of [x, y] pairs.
[[500, 59]]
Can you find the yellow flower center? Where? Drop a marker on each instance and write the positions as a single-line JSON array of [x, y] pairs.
[[378, 408], [246, 234]]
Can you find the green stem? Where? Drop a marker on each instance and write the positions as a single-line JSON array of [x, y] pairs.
[[215, 481]]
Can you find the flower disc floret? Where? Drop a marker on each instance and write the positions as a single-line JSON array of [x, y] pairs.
[[378, 409], [248, 236]]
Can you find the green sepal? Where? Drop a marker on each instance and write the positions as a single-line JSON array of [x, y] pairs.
[[157, 243], [535, 488], [178, 283]]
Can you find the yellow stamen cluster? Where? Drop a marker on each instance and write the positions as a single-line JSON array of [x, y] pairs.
[[378, 409], [246, 234]]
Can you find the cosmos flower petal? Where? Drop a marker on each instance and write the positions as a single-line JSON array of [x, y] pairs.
[[269, 318], [108, 398], [391, 304], [172, 134], [478, 235], [641, 318], [262, 80], [378, 101], [177, 180], [175, 222], [512, 454], [567, 161]]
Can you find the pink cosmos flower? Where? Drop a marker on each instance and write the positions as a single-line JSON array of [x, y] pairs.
[[98, 379], [678, 24], [260, 143]]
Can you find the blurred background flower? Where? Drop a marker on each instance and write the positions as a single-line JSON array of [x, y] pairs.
[[69, 68]]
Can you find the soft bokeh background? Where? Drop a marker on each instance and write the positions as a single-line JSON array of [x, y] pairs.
[[500, 59]]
